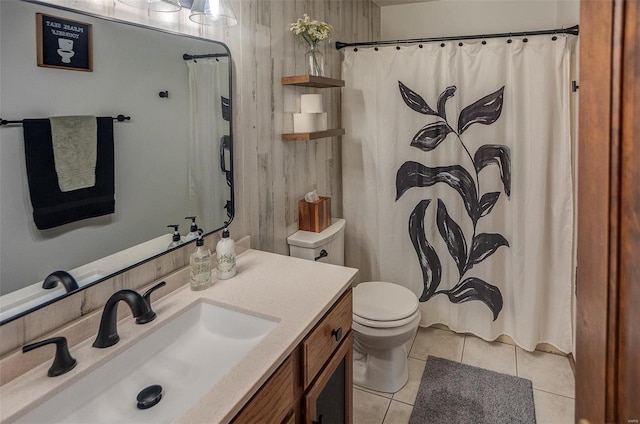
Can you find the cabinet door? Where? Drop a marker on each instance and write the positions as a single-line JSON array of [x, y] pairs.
[[330, 398]]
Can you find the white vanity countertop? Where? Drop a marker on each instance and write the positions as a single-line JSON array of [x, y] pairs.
[[294, 292]]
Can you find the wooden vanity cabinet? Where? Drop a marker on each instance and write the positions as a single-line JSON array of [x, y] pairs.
[[314, 384]]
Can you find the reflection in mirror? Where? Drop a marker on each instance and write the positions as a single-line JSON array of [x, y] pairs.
[[172, 159]]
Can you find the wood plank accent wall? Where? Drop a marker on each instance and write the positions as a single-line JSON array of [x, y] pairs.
[[274, 174]]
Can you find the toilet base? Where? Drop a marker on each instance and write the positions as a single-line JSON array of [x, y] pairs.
[[381, 370]]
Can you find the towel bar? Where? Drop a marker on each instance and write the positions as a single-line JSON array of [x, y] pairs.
[[118, 118]]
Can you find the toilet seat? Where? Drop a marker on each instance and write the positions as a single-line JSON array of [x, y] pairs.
[[384, 324], [380, 304]]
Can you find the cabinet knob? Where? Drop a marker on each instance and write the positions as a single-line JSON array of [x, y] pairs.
[[337, 333]]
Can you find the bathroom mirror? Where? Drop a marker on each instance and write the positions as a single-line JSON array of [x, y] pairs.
[[172, 158]]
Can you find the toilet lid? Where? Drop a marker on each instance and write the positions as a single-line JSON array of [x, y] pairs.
[[380, 301]]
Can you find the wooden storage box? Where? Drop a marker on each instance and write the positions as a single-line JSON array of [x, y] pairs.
[[314, 216]]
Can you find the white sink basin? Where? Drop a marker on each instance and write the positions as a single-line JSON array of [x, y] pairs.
[[186, 356]]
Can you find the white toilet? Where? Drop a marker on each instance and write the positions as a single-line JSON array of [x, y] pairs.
[[385, 315]]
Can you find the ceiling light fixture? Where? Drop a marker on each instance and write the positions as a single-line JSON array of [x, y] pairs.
[[211, 12]]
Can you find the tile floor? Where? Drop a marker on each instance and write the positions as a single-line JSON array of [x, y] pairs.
[[551, 375]]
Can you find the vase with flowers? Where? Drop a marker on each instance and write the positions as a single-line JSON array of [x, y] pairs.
[[310, 33]]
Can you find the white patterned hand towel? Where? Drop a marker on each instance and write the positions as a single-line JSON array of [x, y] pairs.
[[74, 140]]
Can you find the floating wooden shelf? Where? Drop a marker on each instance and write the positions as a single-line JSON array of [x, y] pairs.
[[312, 135], [312, 81]]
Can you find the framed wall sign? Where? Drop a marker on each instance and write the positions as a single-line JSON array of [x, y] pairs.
[[64, 43]]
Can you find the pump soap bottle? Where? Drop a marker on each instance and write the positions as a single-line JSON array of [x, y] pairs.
[[200, 265], [226, 256], [193, 229], [175, 240]]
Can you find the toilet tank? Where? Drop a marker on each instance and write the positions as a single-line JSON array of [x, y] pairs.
[[310, 245]]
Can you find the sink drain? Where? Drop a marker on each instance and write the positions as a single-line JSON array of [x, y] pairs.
[[149, 396]]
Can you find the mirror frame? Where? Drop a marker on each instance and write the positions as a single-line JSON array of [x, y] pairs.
[[230, 209]]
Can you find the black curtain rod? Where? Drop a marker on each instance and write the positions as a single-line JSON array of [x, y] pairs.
[[202, 56], [571, 31], [118, 118]]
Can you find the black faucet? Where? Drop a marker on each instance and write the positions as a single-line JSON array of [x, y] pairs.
[[108, 333], [63, 277]]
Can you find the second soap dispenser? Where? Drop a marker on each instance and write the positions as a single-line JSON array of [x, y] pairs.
[[226, 256], [176, 240], [200, 265], [193, 229]]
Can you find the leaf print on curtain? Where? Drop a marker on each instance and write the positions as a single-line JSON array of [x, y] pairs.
[[457, 182], [413, 174]]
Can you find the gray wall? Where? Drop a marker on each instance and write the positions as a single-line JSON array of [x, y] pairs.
[[460, 17], [276, 174]]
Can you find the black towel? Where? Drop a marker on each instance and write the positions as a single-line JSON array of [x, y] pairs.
[[52, 207]]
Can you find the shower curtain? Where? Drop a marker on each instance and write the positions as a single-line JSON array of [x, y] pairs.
[[457, 182], [207, 80]]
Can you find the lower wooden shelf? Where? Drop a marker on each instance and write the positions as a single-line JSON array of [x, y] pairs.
[[312, 135]]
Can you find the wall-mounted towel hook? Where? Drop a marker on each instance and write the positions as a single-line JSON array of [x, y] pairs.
[[164, 94]]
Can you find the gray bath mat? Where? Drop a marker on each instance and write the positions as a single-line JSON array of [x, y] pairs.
[[451, 392]]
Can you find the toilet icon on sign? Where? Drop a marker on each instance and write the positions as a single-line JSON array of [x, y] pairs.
[[66, 49]]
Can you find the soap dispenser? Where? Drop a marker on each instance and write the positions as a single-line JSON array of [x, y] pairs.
[[193, 229], [176, 240], [200, 265], [226, 256]]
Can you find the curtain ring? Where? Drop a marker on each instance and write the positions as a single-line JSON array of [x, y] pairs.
[[397, 44], [460, 44], [355, 49], [525, 39], [509, 40], [555, 35], [376, 49], [442, 43], [484, 42], [420, 45]]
